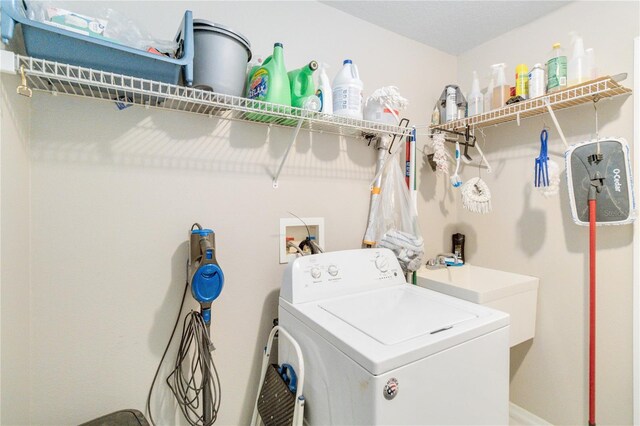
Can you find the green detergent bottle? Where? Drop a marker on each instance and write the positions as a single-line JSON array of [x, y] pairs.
[[302, 85], [270, 82]]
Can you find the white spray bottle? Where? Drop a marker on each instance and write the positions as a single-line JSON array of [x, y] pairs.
[[500, 94], [324, 92], [475, 99]]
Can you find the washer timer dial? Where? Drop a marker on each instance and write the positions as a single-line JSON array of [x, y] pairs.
[[382, 263], [315, 272], [333, 270]]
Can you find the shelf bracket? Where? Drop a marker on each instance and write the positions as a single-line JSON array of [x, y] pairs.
[[23, 89], [555, 121], [286, 153]]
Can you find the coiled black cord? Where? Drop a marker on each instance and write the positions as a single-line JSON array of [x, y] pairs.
[[188, 385], [185, 389]]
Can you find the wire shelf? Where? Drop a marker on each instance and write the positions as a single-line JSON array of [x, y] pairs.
[[58, 78], [603, 87]]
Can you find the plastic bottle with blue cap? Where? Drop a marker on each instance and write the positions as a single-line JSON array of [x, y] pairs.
[[347, 91]]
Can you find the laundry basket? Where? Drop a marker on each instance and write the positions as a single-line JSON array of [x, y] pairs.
[[279, 402]]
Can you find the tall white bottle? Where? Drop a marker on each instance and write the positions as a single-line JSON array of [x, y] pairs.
[[347, 91], [577, 71], [500, 94], [324, 92], [475, 99]]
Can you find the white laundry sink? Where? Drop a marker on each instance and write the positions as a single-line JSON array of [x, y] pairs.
[[514, 294]]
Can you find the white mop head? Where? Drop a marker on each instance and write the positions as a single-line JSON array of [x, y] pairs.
[[389, 95], [439, 154], [554, 180], [476, 196]]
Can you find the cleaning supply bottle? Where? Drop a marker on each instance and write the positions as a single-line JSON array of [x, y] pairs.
[[435, 116], [475, 99], [522, 81], [270, 82], [537, 81], [457, 246], [500, 94], [556, 70], [577, 66], [451, 106], [324, 92], [302, 86], [489, 94], [347, 91], [252, 67]]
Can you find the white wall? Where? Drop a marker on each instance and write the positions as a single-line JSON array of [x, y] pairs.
[[15, 316], [530, 234], [115, 192]]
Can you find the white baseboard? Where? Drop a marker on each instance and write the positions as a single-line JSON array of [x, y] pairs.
[[523, 417]]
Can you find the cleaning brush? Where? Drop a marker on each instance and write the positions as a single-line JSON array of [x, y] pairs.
[[455, 179], [476, 196]]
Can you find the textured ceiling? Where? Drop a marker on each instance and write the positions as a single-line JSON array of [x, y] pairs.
[[451, 26]]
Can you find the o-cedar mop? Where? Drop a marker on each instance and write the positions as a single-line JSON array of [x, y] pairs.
[[600, 193]]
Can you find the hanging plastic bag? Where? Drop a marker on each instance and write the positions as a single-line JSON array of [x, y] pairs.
[[394, 220]]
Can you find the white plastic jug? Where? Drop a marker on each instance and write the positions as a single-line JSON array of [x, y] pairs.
[[577, 68], [347, 91]]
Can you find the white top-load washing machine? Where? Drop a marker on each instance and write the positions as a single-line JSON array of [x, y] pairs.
[[380, 351]]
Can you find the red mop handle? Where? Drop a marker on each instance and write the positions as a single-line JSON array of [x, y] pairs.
[[592, 312]]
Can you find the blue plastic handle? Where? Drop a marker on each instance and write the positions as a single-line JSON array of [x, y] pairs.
[[288, 374]]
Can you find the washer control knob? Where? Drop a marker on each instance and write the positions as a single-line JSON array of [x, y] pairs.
[[315, 272], [382, 264], [333, 270]]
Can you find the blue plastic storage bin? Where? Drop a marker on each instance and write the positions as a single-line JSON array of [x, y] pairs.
[[60, 45]]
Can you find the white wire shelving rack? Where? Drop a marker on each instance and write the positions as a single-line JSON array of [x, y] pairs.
[[590, 91], [58, 78]]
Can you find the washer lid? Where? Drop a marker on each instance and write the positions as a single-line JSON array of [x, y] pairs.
[[385, 329], [392, 317]]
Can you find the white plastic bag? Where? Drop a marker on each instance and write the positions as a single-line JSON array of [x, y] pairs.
[[394, 219]]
